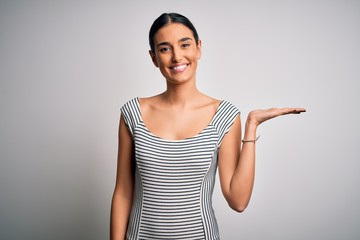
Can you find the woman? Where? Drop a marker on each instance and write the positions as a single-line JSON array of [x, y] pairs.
[[171, 144]]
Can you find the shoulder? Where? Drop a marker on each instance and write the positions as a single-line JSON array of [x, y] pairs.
[[207, 102], [225, 115], [228, 107], [218, 104], [149, 101], [131, 101], [131, 114], [224, 119], [130, 105], [150, 104], [130, 108]]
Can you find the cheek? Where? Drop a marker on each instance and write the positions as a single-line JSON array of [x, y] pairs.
[[162, 61], [162, 66], [195, 57], [195, 54]]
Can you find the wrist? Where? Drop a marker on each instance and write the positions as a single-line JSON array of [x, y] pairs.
[[251, 125], [250, 130], [251, 121]]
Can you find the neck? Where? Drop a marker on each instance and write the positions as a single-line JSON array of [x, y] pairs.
[[181, 94]]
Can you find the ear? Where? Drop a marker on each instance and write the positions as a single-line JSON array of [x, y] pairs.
[[199, 49], [153, 58]]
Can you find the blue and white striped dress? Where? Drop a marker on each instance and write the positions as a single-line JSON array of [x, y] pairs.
[[174, 179]]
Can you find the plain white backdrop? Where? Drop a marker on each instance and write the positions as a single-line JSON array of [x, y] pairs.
[[66, 68]]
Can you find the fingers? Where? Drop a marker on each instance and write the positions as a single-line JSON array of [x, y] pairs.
[[298, 110], [284, 111], [260, 116], [293, 110]]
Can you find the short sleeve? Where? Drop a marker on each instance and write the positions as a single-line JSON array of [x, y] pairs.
[[224, 119], [130, 113]]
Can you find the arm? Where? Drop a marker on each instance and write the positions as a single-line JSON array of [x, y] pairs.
[[236, 163], [123, 193]]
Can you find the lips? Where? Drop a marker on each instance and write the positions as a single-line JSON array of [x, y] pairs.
[[179, 67]]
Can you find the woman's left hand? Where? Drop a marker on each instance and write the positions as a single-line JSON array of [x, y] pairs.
[[259, 116]]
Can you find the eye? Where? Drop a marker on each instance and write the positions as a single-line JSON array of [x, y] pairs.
[[185, 45], [164, 49]]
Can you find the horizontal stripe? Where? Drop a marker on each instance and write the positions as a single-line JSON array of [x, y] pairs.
[[175, 178]]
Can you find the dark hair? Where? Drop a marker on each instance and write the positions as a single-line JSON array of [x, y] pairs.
[[166, 18]]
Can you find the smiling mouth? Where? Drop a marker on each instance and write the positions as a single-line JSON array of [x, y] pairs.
[[179, 68]]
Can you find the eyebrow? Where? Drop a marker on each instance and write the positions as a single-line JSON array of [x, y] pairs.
[[167, 43]]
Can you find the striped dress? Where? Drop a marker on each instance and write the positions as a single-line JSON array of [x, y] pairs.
[[174, 179]]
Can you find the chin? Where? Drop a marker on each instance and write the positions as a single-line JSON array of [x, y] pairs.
[[180, 80]]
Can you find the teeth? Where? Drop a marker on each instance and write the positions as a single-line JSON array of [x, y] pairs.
[[180, 67]]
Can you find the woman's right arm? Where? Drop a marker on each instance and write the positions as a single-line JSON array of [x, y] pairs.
[[124, 187]]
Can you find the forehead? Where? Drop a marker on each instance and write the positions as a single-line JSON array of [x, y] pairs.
[[172, 32]]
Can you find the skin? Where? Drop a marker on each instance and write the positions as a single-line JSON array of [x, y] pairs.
[[180, 112]]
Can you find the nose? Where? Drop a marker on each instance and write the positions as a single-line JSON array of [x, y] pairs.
[[177, 55]]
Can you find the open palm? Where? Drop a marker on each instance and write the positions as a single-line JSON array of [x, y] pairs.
[[260, 116]]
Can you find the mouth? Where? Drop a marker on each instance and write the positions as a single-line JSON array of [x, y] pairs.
[[179, 67]]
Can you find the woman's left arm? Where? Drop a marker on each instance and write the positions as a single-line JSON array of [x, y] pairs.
[[237, 163]]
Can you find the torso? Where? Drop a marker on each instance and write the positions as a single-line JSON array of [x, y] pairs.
[[174, 179]]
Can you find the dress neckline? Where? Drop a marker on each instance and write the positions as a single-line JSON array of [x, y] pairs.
[[182, 139]]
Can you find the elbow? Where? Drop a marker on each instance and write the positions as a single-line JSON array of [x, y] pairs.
[[238, 201], [238, 207]]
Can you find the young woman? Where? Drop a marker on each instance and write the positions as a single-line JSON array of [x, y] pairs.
[[171, 144]]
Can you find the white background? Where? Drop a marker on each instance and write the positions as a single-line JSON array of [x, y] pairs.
[[66, 67]]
